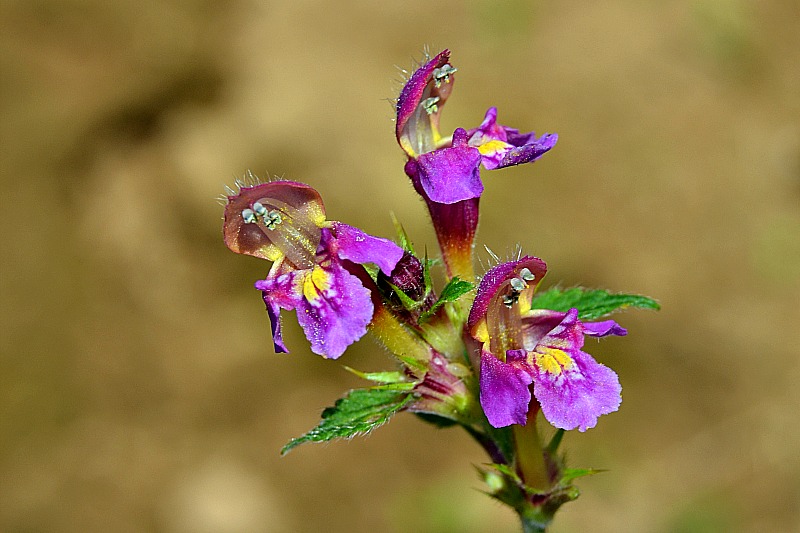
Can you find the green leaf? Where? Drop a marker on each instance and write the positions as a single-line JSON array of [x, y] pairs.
[[361, 411], [372, 270], [455, 289], [555, 442], [379, 377], [507, 471], [570, 474], [426, 272], [405, 299], [402, 236], [591, 303]]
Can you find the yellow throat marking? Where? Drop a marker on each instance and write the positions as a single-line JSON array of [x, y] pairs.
[[315, 282], [492, 147], [553, 360]]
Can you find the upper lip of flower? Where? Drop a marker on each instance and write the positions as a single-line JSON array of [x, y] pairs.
[[501, 277], [419, 105], [275, 220]]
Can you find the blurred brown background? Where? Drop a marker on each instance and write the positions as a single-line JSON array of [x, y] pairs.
[[140, 391]]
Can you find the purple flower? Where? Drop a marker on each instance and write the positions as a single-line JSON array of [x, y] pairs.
[[313, 270], [448, 169], [445, 171], [539, 347]]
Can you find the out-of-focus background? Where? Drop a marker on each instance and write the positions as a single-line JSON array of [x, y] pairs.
[[139, 389]]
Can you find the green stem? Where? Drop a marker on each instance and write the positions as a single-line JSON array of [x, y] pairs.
[[532, 523], [399, 340], [530, 459]]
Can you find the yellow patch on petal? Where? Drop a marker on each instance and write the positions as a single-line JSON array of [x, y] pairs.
[[480, 331], [314, 282], [493, 147], [553, 360]]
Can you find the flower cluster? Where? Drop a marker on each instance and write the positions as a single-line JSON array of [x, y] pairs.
[[488, 354]]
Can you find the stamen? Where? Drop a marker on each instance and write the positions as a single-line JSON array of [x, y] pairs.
[[429, 105], [526, 274], [259, 209], [272, 219], [510, 299], [248, 216], [442, 75], [517, 284], [292, 231]]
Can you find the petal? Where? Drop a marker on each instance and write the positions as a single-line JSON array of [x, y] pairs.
[[513, 136], [528, 152], [505, 395], [490, 139], [488, 131], [449, 175], [359, 247], [334, 311], [279, 292], [576, 397], [538, 323], [274, 312], [501, 146], [602, 329], [572, 388], [568, 333], [455, 225]]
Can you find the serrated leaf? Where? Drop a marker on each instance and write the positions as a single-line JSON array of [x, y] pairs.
[[361, 411], [455, 289], [591, 303], [571, 474]]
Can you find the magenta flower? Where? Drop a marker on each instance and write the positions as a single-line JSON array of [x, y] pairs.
[[445, 171], [448, 169], [314, 261], [542, 348]]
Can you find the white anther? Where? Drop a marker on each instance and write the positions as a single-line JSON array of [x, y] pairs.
[[429, 105], [273, 219], [526, 274], [259, 209], [510, 299], [442, 74], [517, 284]]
